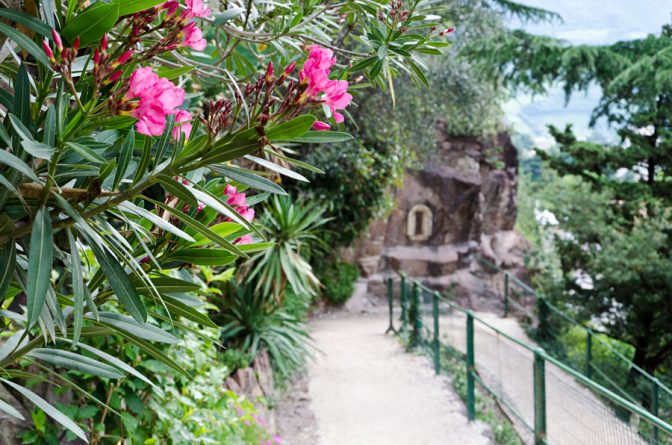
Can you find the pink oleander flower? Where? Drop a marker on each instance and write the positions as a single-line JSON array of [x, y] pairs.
[[246, 212], [321, 126], [336, 97], [182, 124], [316, 69], [237, 199], [197, 8], [239, 202], [158, 96], [315, 72], [193, 37], [246, 239]]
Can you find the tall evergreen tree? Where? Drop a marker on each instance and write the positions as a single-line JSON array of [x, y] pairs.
[[615, 238]]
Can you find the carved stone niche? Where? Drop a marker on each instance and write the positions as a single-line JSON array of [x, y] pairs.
[[419, 223]]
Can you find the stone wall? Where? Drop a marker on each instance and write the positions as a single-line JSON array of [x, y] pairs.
[[470, 188], [257, 385]]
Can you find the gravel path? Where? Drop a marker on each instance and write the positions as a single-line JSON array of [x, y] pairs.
[[365, 390], [575, 416]]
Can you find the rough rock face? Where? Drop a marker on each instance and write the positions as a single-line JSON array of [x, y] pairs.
[[469, 188]]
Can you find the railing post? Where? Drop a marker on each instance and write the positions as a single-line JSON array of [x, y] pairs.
[[539, 398], [390, 303], [414, 315], [655, 406], [589, 354], [436, 346], [506, 294], [471, 381], [402, 299]]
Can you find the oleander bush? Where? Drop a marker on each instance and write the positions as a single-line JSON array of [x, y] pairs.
[[137, 139]]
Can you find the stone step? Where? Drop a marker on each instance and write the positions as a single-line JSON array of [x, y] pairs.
[[428, 260]]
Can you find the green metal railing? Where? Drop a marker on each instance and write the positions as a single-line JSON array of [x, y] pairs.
[[552, 421], [613, 369]]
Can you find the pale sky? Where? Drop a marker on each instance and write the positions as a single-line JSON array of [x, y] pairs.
[[585, 22]]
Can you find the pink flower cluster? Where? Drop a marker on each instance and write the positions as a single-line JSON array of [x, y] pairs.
[[331, 92], [192, 34], [159, 98], [239, 203]]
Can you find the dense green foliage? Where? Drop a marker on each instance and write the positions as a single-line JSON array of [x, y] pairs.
[[121, 137], [338, 280], [251, 323], [292, 228], [612, 203]]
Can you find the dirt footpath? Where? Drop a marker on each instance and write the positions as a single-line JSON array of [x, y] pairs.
[[365, 390]]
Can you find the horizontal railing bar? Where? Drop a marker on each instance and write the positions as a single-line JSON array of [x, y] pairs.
[[614, 384], [607, 393], [551, 306]]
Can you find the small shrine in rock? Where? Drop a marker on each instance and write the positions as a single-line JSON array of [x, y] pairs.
[[460, 206]]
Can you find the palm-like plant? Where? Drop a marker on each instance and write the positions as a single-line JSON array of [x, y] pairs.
[[251, 323], [293, 230]]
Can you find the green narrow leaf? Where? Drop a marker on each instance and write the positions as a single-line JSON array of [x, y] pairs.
[[249, 179], [119, 364], [144, 160], [26, 20], [205, 231], [38, 149], [48, 409], [75, 362], [298, 163], [21, 94], [77, 286], [154, 219], [125, 155], [128, 7], [174, 73], [92, 23], [17, 164], [26, 43], [154, 352], [49, 133], [179, 308], [322, 137], [86, 152], [145, 331], [202, 256], [120, 282], [176, 188], [164, 140], [19, 128], [9, 409], [277, 168], [7, 262], [165, 284], [40, 260], [214, 202], [292, 129]]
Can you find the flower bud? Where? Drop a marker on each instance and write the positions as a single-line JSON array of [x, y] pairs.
[[75, 46], [57, 40], [96, 57], [47, 50], [321, 126], [123, 58], [269, 73]]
